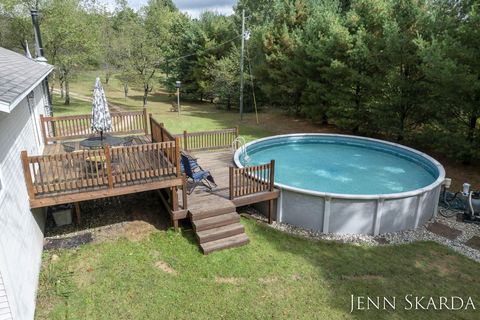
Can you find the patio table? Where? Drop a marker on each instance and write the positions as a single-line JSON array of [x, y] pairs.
[[97, 142]]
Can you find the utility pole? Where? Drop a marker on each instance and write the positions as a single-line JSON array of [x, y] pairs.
[[241, 64]]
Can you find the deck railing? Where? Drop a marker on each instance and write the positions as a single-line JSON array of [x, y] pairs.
[[107, 168], [159, 132], [208, 140], [250, 180], [79, 126]]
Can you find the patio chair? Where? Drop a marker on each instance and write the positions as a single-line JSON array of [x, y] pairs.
[[198, 176], [193, 163]]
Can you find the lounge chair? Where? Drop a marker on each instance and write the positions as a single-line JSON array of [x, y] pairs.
[[198, 175]]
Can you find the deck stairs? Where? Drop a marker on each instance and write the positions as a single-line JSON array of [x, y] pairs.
[[218, 228]]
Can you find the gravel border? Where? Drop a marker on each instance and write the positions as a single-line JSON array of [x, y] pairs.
[[408, 236]]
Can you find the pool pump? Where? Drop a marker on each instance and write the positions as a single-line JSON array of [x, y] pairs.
[[467, 201]]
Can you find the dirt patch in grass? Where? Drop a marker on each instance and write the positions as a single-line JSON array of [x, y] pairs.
[[268, 280], [443, 230], [165, 267], [228, 280]]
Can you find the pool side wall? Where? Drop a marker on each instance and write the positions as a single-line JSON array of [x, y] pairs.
[[357, 214]]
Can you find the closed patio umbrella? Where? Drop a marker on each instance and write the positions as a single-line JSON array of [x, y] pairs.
[[101, 119]]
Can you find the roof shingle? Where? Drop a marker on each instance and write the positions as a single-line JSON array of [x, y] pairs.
[[18, 74]]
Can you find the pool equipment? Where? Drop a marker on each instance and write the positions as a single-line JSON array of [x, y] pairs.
[[464, 203]]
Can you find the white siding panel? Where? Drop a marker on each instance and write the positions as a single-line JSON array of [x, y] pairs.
[[21, 231]]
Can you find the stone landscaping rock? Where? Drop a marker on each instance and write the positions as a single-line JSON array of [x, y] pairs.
[[474, 243], [443, 230]]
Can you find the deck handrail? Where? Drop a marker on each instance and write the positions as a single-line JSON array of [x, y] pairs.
[[108, 168], [208, 140], [79, 126], [158, 131], [250, 180]]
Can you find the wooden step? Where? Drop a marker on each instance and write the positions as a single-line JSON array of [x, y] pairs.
[[220, 232], [215, 222], [199, 214], [230, 242]]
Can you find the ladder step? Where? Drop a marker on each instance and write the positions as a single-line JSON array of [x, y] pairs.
[[217, 221], [220, 232], [230, 242]]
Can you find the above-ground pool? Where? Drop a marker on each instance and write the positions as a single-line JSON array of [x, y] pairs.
[[347, 184]]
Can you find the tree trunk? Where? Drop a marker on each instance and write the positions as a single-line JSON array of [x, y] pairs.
[[107, 76], [62, 89], [356, 127], [472, 127], [324, 118], [145, 95], [401, 132], [67, 89], [229, 104], [125, 90]]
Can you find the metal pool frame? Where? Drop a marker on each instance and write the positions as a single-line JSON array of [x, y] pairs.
[[352, 213]]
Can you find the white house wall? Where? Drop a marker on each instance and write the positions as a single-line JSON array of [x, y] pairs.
[[21, 231]]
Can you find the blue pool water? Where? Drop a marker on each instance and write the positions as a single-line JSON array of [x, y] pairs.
[[338, 164]]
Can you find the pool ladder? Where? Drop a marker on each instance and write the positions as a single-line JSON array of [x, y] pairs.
[[240, 142]]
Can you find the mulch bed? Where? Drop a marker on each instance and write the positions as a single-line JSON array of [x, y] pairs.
[[144, 206], [443, 230], [474, 243], [67, 243]]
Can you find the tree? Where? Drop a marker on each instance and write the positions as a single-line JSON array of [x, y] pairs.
[[402, 108], [451, 62], [70, 38]]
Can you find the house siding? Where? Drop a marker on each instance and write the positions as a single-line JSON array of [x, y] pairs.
[[21, 230]]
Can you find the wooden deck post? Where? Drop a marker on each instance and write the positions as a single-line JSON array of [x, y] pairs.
[[272, 175], [108, 160], [78, 213], [230, 181], [185, 142], [184, 193], [42, 129], [151, 126], [237, 131], [161, 132], [27, 174], [270, 211], [177, 155], [174, 199], [145, 123]]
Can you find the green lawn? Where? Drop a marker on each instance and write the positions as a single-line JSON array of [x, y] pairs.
[[276, 276]]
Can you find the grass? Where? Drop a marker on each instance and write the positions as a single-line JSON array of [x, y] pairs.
[[276, 276]]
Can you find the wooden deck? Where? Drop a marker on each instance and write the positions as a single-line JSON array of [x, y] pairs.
[[66, 173], [218, 163], [213, 212]]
